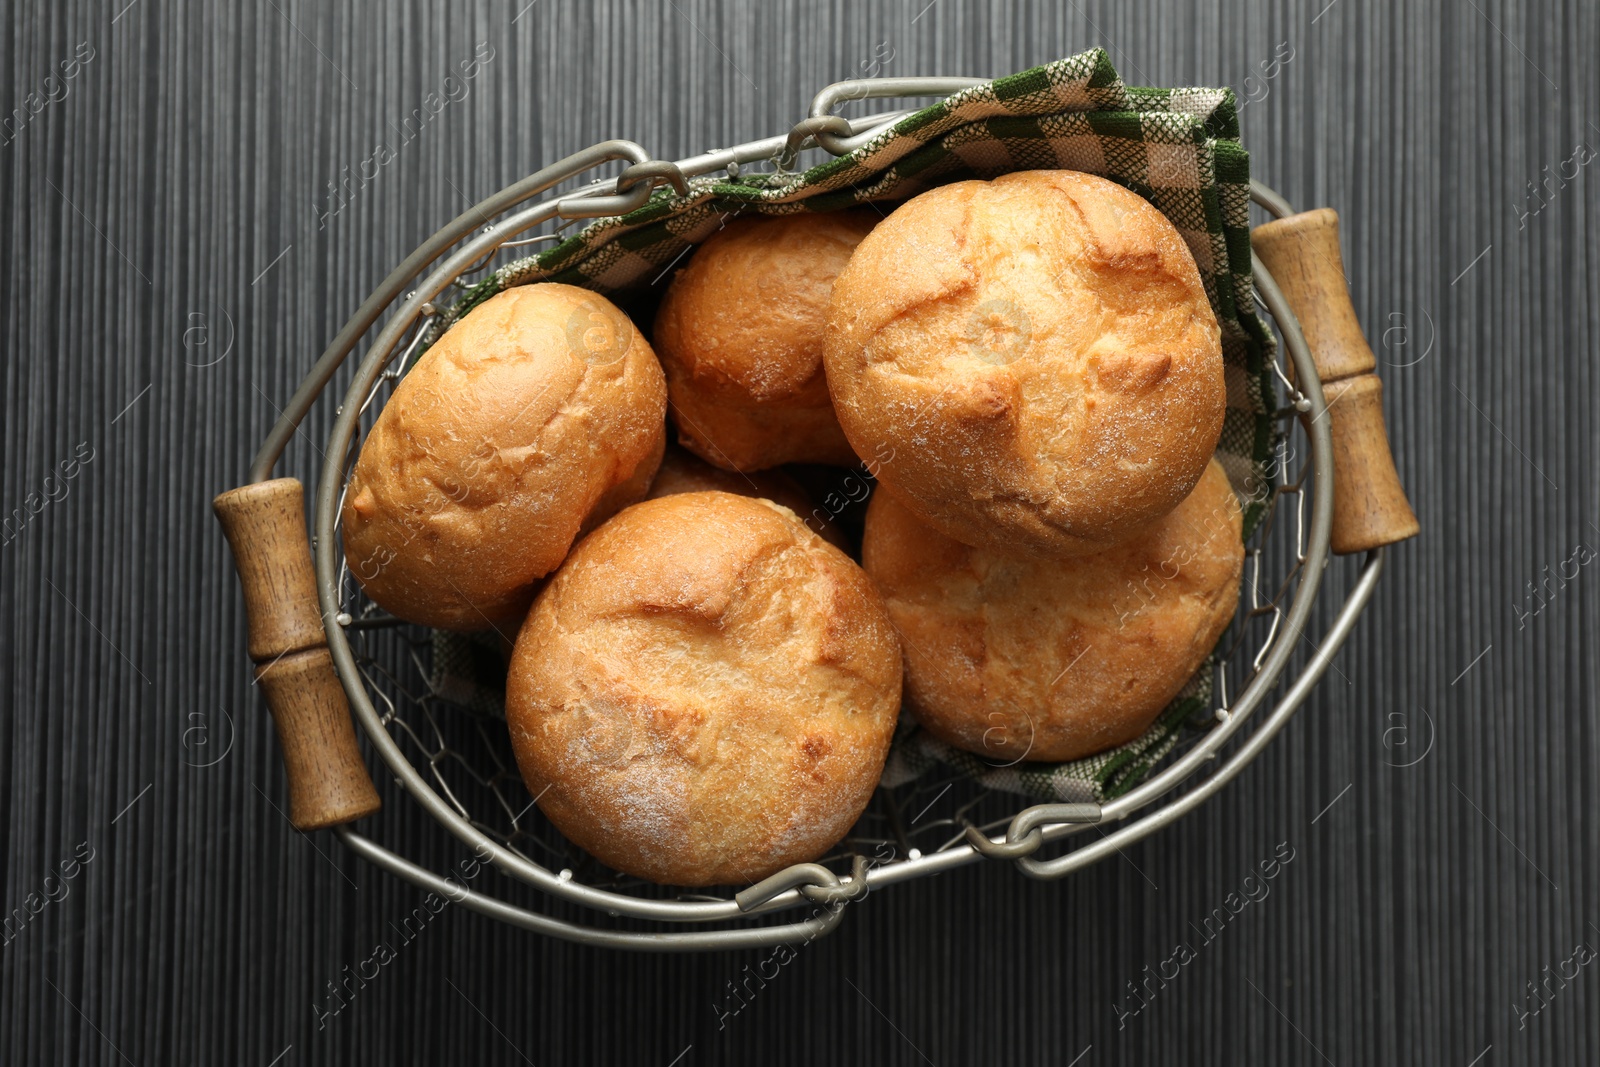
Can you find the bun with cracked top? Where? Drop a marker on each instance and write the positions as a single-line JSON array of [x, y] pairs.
[[740, 336], [535, 417], [1049, 660], [1038, 355], [704, 693]]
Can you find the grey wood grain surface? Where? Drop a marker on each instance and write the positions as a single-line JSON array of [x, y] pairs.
[[191, 211]]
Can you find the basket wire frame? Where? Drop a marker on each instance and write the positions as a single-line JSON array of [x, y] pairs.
[[458, 766]]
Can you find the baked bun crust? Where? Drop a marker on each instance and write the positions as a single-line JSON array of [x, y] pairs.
[[740, 336], [1016, 658], [540, 412], [682, 472], [704, 693], [1037, 355]]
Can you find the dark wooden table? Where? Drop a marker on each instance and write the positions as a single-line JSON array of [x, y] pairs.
[[192, 208]]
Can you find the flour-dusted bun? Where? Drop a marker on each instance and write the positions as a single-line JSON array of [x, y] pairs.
[[740, 336], [681, 472], [705, 691], [1018, 658], [542, 411], [1036, 357]]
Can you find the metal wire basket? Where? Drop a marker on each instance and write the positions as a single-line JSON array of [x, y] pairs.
[[457, 764]]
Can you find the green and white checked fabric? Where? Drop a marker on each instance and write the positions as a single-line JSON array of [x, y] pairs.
[[1178, 148]]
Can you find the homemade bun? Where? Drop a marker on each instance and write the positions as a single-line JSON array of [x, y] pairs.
[[705, 691], [540, 412], [1052, 660], [740, 337], [1036, 357], [683, 473]]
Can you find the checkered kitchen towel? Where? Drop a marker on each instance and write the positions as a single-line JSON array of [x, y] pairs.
[[1178, 148]]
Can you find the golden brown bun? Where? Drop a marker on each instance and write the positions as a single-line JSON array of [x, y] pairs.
[[1052, 660], [704, 692], [541, 410], [740, 337], [682, 473], [1032, 358]]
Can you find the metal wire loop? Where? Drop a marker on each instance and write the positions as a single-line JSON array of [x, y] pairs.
[[653, 171], [805, 130], [841, 891], [823, 103], [1007, 850], [801, 876], [1039, 815]]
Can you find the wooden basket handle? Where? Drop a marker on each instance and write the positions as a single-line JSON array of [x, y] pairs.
[[265, 524], [1370, 507]]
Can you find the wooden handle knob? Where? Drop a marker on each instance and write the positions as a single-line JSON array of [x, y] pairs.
[[265, 524], [1370, 506]]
